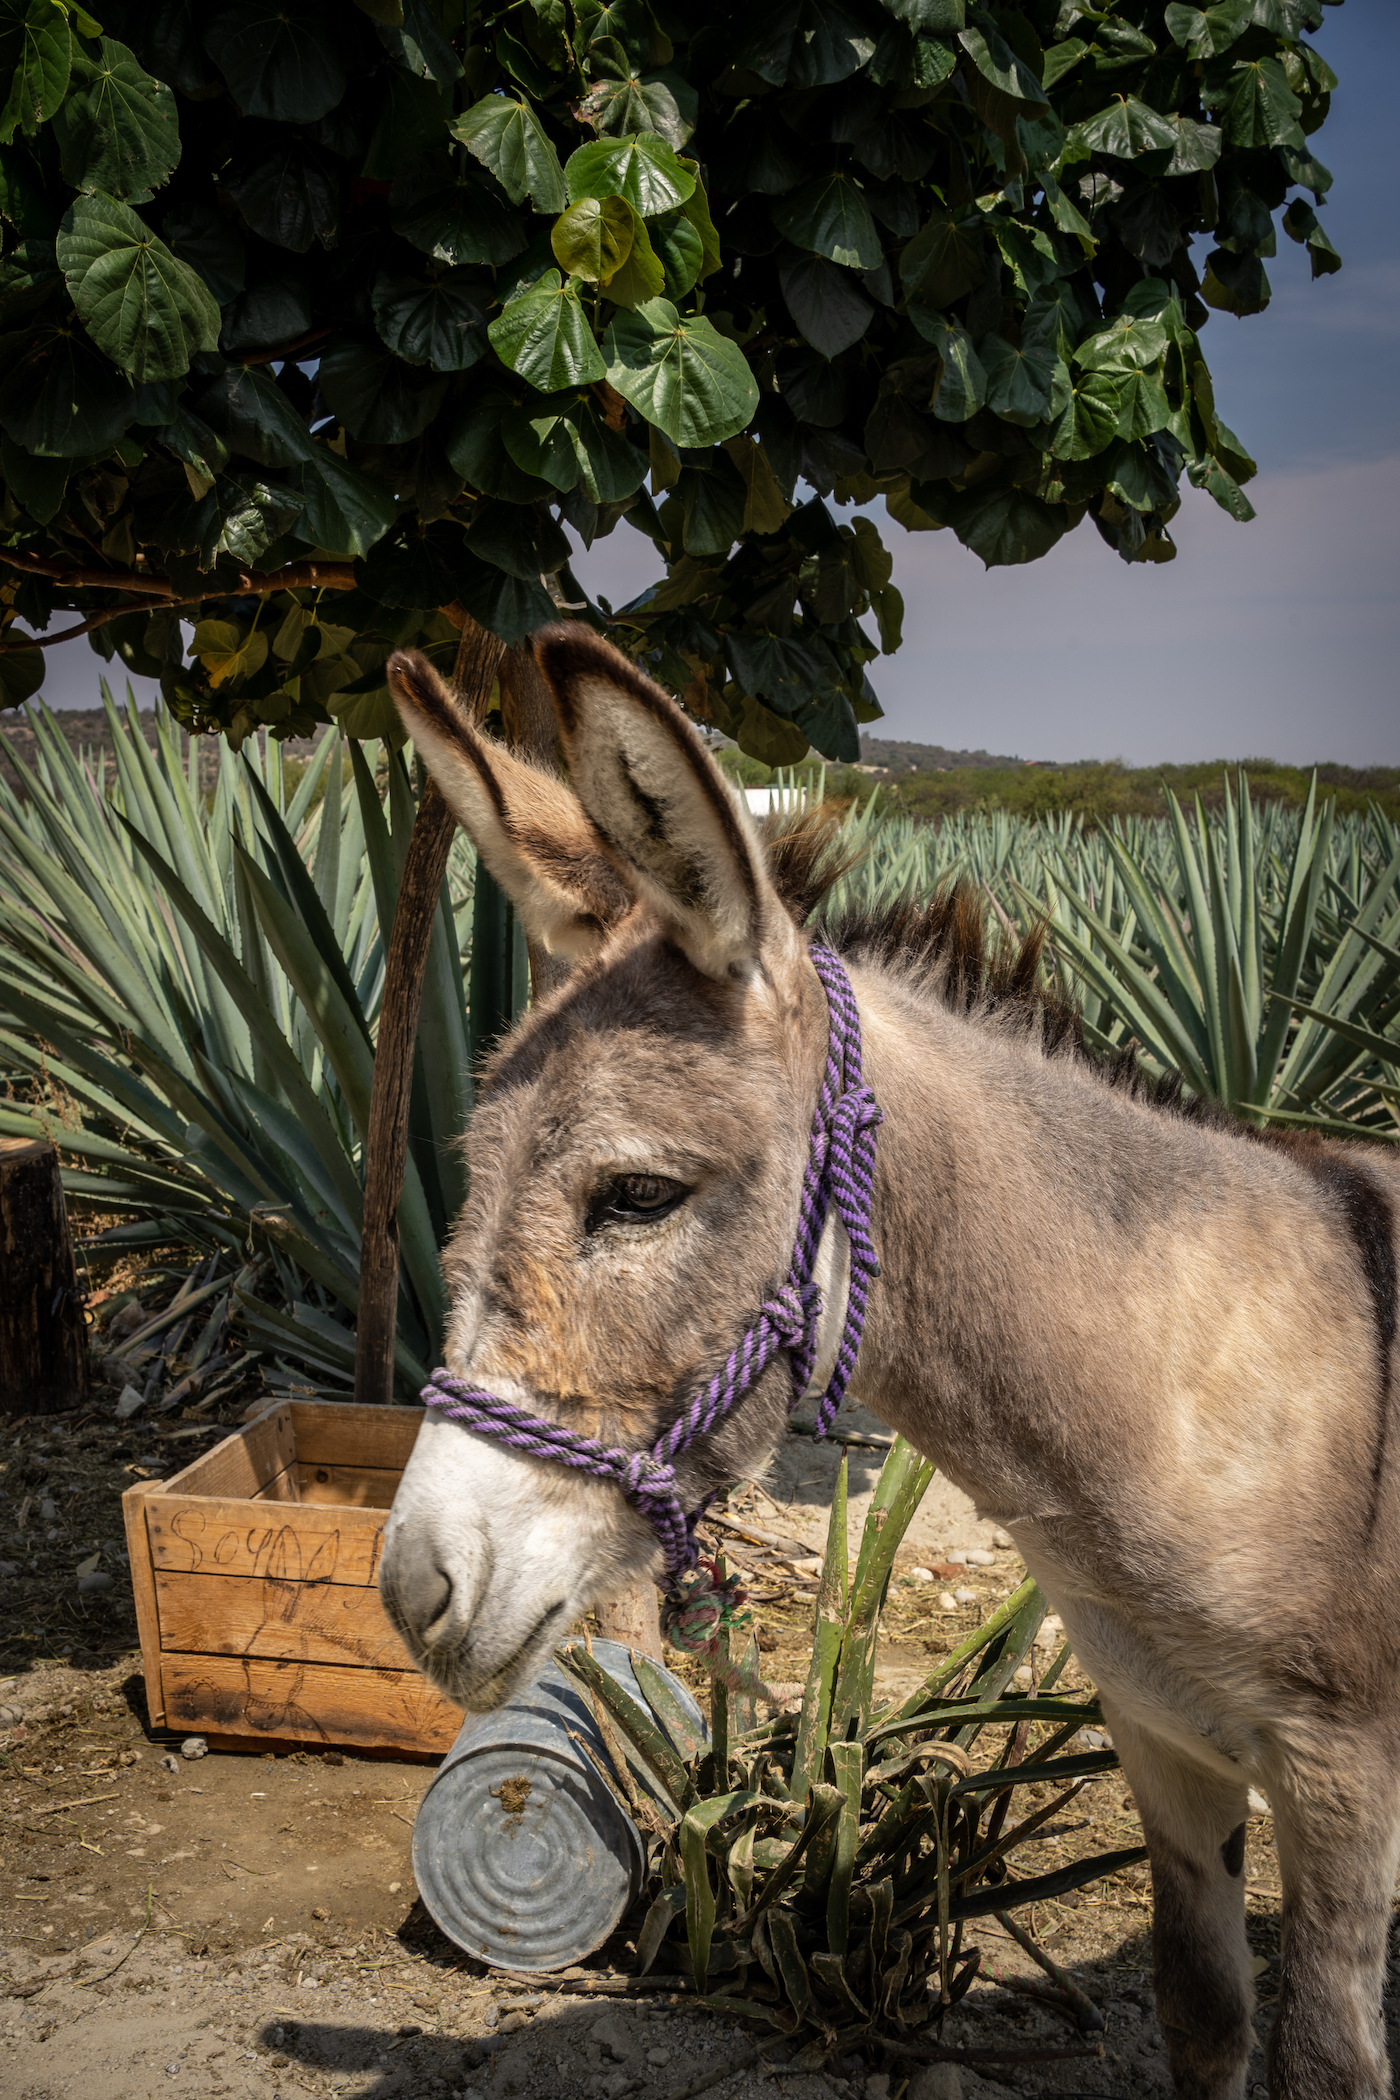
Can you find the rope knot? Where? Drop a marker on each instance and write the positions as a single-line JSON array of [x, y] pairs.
[[698, 1608], [790, 1312]]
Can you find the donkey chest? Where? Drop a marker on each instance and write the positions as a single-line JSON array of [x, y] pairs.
[[1179, 1678]]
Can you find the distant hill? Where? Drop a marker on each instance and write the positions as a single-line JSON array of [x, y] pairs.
[[897, 757]]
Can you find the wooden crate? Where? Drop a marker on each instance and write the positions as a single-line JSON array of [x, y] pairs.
[[256, 1599]]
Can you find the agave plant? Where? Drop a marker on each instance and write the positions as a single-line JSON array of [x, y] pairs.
[[1208, 956], [818, 1871], [196, 973]]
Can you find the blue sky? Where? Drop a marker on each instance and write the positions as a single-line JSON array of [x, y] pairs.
[[1277, 639]]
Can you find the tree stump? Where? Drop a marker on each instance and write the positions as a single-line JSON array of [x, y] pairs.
[[632, 1619], [43, 1337]]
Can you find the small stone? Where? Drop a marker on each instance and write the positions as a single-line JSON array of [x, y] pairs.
[[394, 1887], [279, 2062], [9, 1567], [407, 2033], [320, 1915], [965, 1596], [48, 1509], [935, 2082], [1003, 1539], [1023, 1675], [514, 2021], [169, 1763], [877, 2086], [658, 2058], [956, 1557], [981, 1559], [194, 1746], [921, 1574], [131, 1398], [947, 1602]]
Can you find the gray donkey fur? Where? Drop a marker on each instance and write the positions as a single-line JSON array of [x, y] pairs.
[[1156, 1347]]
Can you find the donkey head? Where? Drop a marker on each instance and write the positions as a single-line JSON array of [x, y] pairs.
[[635, 1158]]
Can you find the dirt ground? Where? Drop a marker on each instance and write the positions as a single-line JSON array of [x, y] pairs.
[[249, 1925]]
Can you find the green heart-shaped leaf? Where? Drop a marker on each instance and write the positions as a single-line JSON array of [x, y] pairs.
[[593, 239], [1089, 420], [508, 139], [442, 324], [227, 652], [830, 216], [1019, 381], [453, 218], [679, 247], [36, 48], [59, 397], [826, 302], [642, 276], [643, 169], [628, 101], [683, 376], [278, 61], [545, 337], [146, 309], [944, 260], [1009, 527], [118, 129], [1125, 129]]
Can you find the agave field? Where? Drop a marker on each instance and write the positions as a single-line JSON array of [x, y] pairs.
[[190, 977]]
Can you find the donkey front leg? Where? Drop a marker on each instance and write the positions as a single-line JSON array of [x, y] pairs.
[[1194, 1823], [1337, 1829]]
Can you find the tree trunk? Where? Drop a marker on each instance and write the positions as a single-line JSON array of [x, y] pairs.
[[478, 662], [43, 1338]]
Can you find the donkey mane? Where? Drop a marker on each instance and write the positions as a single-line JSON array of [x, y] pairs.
[[941, 951]]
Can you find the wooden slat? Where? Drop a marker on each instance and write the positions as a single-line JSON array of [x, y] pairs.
[[135, 1502], [242, 1464], [333, 1622], [338, 1433], [354, 1487], [307, 1702], [218, 1535]]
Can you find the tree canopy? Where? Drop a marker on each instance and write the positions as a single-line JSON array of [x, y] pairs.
[[321, 322]]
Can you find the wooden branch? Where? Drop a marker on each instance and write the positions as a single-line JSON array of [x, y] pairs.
[[10, 644], [386, 1150], [252, 583], [88, 579]]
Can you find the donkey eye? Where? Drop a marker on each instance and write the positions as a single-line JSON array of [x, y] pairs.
[[635, 1199]]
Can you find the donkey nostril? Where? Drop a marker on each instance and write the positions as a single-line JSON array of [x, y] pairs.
[[434, 1600], [420, 1592]]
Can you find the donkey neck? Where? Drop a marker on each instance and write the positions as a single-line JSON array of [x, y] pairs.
[[1021, 1213]]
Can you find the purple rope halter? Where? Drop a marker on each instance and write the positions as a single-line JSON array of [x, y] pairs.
[[840, 1171]]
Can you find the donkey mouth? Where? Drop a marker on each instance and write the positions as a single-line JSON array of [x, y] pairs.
[[481, 1684]]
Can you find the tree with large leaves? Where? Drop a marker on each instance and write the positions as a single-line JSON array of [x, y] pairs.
[[321, 322]]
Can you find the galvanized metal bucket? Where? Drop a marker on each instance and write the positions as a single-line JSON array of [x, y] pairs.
[[522, 1854]]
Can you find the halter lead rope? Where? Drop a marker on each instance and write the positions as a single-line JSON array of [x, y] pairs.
[[840, 1171]]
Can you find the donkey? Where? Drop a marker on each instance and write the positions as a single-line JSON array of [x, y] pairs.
[[1155, 1347]]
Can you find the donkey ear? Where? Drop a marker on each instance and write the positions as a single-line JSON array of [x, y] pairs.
[[530, 830], [660, 801]]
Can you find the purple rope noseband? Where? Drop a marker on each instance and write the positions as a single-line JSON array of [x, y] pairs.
[[840, 1171]]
